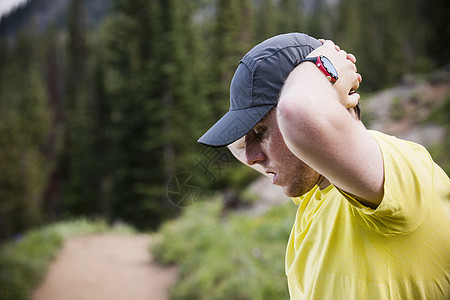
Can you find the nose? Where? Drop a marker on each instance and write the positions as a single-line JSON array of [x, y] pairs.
[[254, 153]]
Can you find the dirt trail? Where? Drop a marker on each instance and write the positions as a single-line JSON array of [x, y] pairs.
[[106, 267]]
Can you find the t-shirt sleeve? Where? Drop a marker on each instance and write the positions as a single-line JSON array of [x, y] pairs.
[[408, 187]]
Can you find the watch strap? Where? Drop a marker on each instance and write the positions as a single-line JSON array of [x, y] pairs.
[[331, 75]]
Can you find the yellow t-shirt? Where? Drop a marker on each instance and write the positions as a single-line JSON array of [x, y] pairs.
[[340, 249]]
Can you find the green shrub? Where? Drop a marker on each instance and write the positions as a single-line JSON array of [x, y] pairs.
[[233, 257], [397, 108], [23, 263], [439, 151]]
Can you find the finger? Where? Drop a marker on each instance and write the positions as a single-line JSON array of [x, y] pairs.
[[322, 41], [354, 67], [352, 100], [351, 65], [337, 48], [328, 42], [359, 77], [355, 84], [351, 58], [343, 53]]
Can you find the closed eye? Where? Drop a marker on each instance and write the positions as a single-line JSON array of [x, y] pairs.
[[260, 132]]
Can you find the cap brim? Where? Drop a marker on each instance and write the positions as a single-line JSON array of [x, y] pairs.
[[234, 125]]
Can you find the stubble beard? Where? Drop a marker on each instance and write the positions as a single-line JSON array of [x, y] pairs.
[[300, 184]]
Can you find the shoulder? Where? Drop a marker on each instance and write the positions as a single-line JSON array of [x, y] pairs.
[[413, 184], [403, 156], [393, 142]]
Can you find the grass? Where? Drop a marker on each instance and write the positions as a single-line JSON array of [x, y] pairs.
[[441, 116], [233, 257], [24, 262]]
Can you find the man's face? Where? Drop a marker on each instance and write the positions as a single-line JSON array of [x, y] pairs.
[[264, 145]]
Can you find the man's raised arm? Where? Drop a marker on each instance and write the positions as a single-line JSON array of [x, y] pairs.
[[318, 129]]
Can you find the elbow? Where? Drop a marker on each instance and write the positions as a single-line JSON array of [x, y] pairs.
[[293, 107], [295, 114]]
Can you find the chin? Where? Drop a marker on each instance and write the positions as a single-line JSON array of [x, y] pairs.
[[293, 192], [288, 192]]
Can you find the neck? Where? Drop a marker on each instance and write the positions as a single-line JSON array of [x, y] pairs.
[[322, 182]]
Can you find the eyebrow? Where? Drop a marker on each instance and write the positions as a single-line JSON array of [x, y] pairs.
[[262, 121]]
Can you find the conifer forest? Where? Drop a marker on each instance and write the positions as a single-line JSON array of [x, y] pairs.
[[102, 101]]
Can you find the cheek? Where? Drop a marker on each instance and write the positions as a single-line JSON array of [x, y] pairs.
[[279, 152]]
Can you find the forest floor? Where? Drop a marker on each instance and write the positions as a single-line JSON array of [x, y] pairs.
[[106, 266]]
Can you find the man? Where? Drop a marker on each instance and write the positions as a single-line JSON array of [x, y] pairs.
[[373, 210]]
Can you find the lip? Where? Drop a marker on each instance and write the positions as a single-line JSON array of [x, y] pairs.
[[274, 177]]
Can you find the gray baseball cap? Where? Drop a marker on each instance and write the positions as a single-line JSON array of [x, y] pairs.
[[256, 85]]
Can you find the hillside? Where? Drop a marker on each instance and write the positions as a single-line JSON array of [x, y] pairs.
[[416, 110], [41, 15], [405, 110]]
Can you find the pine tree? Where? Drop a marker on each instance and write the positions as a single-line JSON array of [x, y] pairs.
[[232, 40], [80, 160], [152, 80], [265, 21], [434, 16], [290, 17], [24, 122], [52, 148]]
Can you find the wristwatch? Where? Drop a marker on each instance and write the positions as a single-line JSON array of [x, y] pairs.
[[325, 66]]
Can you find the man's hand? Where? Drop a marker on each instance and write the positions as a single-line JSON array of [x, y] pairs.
[[349, 78]]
